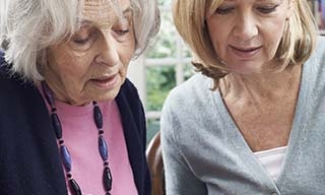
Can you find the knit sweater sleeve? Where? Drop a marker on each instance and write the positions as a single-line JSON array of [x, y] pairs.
[[178, 175]]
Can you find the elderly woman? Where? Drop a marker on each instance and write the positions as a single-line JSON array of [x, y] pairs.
[[70, 122], [253, 121]]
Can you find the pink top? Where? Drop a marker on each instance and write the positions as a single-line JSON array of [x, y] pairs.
[[81, 137], [272, 160]]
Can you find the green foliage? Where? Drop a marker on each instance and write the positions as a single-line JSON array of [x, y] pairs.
[[160, 80], [165, 43], [164, 2]]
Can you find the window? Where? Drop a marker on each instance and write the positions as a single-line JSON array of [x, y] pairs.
[[164, 66]]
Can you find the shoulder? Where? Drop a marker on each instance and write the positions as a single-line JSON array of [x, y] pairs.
[[12, 82], [319, 53], [320, 48], [4, 67], [315, 65], [128, 100], [194, 86], [192, 93], [187, 104], [19, 99], [18, 95], [128, 97]]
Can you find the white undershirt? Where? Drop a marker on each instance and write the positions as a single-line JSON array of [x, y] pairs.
[[272, 160]]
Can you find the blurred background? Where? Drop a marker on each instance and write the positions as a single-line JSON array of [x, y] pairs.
[[165, 65]]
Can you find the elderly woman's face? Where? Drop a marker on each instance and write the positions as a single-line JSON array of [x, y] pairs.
[[246, 33], [92, 65]]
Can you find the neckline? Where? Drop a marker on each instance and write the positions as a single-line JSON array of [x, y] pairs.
[[270, 151], [73, 110], [238, 141]]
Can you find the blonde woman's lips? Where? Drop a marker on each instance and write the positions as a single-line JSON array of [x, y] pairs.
[[245, 53]]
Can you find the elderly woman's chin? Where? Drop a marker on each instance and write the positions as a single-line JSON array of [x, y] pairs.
[[97, 89]]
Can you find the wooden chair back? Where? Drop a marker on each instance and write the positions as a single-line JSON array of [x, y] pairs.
[[156, 167]]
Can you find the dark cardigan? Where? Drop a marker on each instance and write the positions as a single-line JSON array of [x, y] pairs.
[[29, 157]]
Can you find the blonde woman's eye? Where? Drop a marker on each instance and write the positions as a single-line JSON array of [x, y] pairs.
[[224, 10], [267, 9]]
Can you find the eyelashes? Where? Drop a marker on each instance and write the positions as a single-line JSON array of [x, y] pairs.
[[78, 40], [122, 32], [268, 9]]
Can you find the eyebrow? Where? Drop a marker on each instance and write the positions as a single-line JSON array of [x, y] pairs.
[[128, 9]]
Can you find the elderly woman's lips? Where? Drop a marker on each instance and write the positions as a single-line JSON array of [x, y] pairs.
[[105, 82]]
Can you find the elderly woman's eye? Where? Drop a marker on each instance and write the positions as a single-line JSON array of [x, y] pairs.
[[80, 41], [121, 32], [122, 27]]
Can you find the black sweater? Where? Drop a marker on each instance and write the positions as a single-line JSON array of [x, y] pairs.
[[29, 156]]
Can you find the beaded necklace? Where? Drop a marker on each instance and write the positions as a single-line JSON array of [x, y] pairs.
[[64, 152]]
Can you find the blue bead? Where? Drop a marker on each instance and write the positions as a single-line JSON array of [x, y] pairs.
[[65, 157], [56, 125], [75, 187], [107, 179], [98, 117], [103, 148]]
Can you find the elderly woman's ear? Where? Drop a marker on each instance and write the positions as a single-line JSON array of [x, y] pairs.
[[4, 45]]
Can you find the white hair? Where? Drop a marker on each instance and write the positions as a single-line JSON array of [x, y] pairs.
[[29, 27]]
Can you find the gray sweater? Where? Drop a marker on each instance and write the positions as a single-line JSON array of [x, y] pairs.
[[204, 152]]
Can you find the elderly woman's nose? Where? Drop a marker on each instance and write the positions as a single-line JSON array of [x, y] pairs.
[[108, 53]]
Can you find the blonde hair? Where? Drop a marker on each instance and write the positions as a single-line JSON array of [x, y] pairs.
[[29, 27], [297, 44]]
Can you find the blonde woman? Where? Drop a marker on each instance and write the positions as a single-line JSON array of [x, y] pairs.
[[251, 121]]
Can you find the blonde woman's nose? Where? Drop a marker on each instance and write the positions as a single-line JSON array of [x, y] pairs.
[[246, 27]]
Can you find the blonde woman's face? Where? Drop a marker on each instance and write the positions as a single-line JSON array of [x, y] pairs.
[[246, 33], [92, 64]]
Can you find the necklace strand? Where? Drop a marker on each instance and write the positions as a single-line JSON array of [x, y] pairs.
[[64, 152]]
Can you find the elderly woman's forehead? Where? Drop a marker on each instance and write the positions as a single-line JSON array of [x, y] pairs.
[[106, 4], [103, 9]]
